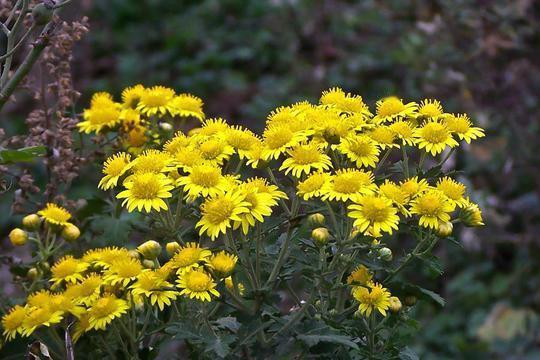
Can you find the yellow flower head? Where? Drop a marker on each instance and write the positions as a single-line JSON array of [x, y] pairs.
[[55, 215], [153, 161], [374, 297], [179, 142], [434, 137], [104, 257], [313, 186], [242, 140], [64, 304], [105, 310], [82, 325], [404, 130], [131, 96], [259, 206], [12, 322], [455, 191], [222, 263], [304, 158], [254, 155], [374, 212], [461, 126], [188, 105], [146, 191], [197, 284], [151, 285], [220, 211], [412, 186], [347, 184], [278, 139], [330, 126], [203, 180], [103, 114], [87, 291], [360, 276], [186, 158], [344, 102], [157, 101], [230, 285], [361, 150], [287, 116], [189, 256], [430, 108], [68, 269], [122, 271], [433, 207], [39, 316], [384, 137], [115, 166], [262, 186], [211, 128], [214, 150], [392, 108]]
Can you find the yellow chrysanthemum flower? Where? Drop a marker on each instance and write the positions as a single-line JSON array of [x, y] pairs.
[[87, 291], [262, 186], [104, 257], [242, 140], [374, 213], [361, 150], [455, 191], [434, 137], [360, 276], [313, 186], [188, 257], [384, 137], [220, 212], [373, 298], [433, 207], [39, 298], [222, 263], [68, 269], [278, 139], [330, 126], [259, 206], [461, 125], [103, 114], [122, 271], [82, 325], [12, 322], [344, 102], [157, 101], [347, 184], [152, 286], [214, 151], [105, 310], [55, 215], [179, 142], [254, 155], [471, 214], [153, 161], [396, 194], [146, 191], [197, 284], [39, 316], [392, 108], [64, 304], [187, 158], [404, 130], [304, 158], [188, 105], [203, 180], [115, 166], [430, 108], [131, 96], [210, 128], [135, 138], [413, 187], [286, 116]]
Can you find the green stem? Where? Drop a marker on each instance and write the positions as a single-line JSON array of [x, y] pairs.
[[405, 162]]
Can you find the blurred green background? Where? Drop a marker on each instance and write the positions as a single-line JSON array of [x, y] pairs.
[[244, 58]]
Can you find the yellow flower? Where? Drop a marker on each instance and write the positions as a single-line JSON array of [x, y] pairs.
[[214, 151], [82, 325], [396, 194], [393, 108], [87, 291], [404, 130], [430, 108], [278, 139], [135, 138], [222, 264], [412, 187], [146, 191], [39, 316], [104, 257], [361, 150], [254, 155], [304, 158], [157, 101], [347, 184], [131, 96], [360, 276], [384, 137], [68, 269], [55, 215], [122, 271], [104, 113], [453, 190], [197, 284], [105, 310], [242, 140], [186, 158], [313, 186], [12, 322], [286, 116], [39, 298], [461, 126], [188, 105], [434, 137], [189, 256], [433, 207], [220, 211], [230, 285], [374, 212], [203, 180], [471, 214], [179, 142], [153, 161], [373, 298], [262, 186], [152, 286], [115, 166], [211, 127], [330, 126], [344, 102], [64, 304], [259, 206]]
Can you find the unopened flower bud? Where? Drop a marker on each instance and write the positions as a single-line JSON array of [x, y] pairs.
[[395, 304], [31, 222], [410, 300], [172, 248], [70, 232], [148, 264], [315, 220], [134, 254], [18, 237], [385, 254], [150, 249], [32, 273], [472, 216], [230, 285], [320, 235], [445, 229], [166, 126]]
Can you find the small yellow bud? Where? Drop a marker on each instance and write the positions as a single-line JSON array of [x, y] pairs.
[[395, 304], [230, 285], [31, 222], [320, 235], [172, 248], [315, 220], [410, 300], [134, 254], [150, 249], [32, 273], [445, 229], [472, 216], [148, 264], [18, 237], [385, 254], [70, 233], [194, 131]]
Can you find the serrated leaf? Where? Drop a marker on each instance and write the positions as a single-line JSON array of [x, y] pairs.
[[228, 322], [312, 340], [432, 295], [433, 263], [220, 345]]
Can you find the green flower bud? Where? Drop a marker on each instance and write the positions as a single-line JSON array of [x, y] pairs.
[[172, 248], [395, 304], [320, 235], [315, 220], [385, 254], [70, 232], [150, 249], [410, 300], [445, 229]]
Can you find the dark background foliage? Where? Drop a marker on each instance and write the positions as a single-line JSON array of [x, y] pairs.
[[244, 58]]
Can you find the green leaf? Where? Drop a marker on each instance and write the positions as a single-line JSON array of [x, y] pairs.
[[220, 345], [431, 295], [433, 263], [26, 154], [228, 322], [312, 340], [407, 354]]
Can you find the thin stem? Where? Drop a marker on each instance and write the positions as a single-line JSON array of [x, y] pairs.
[[383, 160], [9, 53], [405, 162]]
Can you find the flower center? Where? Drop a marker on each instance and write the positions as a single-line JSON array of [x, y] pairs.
[[210, 149], [313, 183], [115, 167], [65, 268], [390, 106], [430, 109], [375, 210], [277, 137], [383, 135], [104, 115], [145, 187], [103, 307], [218, 210], [452, 190], [197, 281], [347, 183], [155, 99], [305, 155], [187, 256], [435, 133], [459, 125], [361, 148], [429, 204], [206, 176]]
